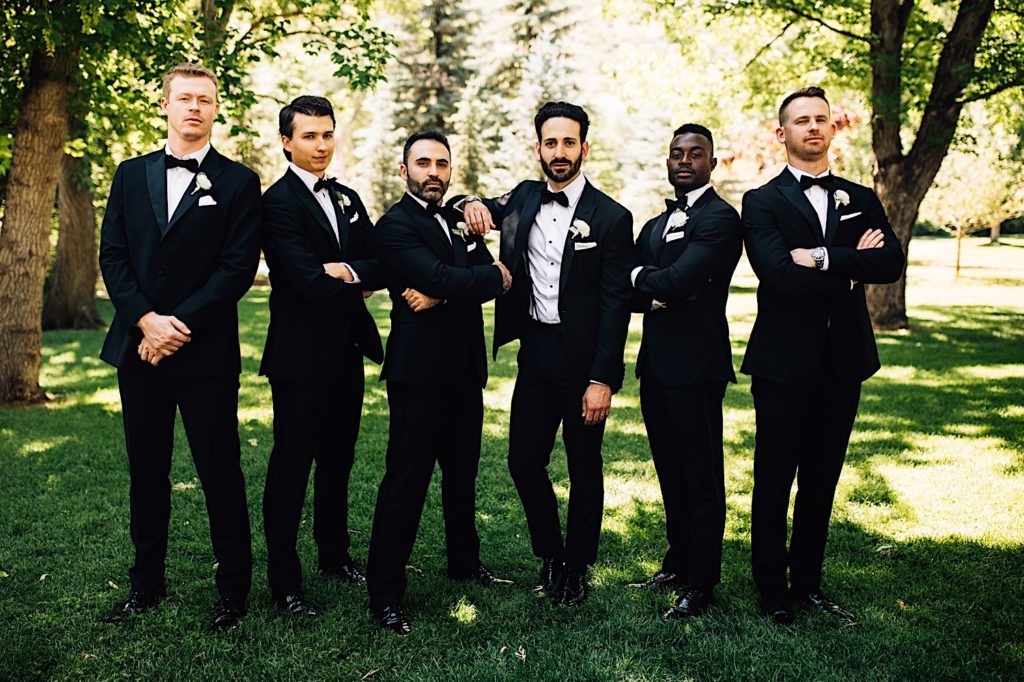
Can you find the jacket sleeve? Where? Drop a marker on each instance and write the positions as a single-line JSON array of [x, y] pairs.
[[870, 266], [613, 324], [115, 257]]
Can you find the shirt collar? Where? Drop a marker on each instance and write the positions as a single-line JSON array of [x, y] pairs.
[[198, 155], [797, 173], [694, 194], [307, 178], [574, 190]]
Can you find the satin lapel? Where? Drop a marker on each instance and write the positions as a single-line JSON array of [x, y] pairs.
[[156, 179], [831, 218], [655, 237], [429, 225], [585, 212], [310, 204], [518, 239], [212, 165], [692, 221], [339, 215], [459, 253], [791, 190]]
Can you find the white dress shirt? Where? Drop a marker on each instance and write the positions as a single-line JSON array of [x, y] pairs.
[[544, 251], [441, 221], [178, 178], [323, 197], [818, 196]]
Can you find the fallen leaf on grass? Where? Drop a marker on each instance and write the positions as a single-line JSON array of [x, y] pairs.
[[3, 574], [502, 649], [88, 657], [253, 442], [367, 675], [43, 577], [417, 571], [183, 486], [886, 549], [112, 585], [900, 603], [521, 654]]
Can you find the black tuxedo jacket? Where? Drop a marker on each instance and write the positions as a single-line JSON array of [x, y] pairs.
[[438, 346], [688, 341], [803, 313], [194, 265], [315, 319], [594, 288]]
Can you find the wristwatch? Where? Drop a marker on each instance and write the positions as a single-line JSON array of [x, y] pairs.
[[818, 254]]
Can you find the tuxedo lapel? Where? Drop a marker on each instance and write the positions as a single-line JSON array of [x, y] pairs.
[[585, 212], [459, 252], [341, 218], [790, 188], [310, 204], [655, 239], [428, 224], [212, 165], [517, 240], [156, 179], [831, 218]]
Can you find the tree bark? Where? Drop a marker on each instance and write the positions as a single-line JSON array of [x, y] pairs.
[[71, 300], [39, 138]]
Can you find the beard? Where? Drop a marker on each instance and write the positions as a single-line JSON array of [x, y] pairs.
[[574, 168], [430, 195]]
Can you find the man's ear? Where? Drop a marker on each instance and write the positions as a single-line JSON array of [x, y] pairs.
[[403, 172], [586, 149]]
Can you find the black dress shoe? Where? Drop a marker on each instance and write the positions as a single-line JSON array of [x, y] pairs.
[[297, 605], [483, 576], [777, 609], [659, 579], [228, 615], [691, 602], [136, 602], [550, 570], [572, 587], [345, 572], [392, 618], [819, 601]]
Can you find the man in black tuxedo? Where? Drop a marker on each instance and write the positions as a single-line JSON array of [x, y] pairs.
[[570, 248], [813, 240], [435, 366], [686, 258], [315, 233], [179, 246]]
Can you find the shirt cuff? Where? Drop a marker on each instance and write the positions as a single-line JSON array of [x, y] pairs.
[[824, 265], [599, 383], [634, 273], [355, 277]]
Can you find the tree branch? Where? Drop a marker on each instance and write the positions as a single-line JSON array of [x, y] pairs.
[[835, 29], [764, 48], [977, 97]]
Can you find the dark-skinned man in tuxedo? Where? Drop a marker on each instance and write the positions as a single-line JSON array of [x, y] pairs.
[[570, 249], [435, 365], [179, 246], [814, 240], [315, 238], [686, 257]]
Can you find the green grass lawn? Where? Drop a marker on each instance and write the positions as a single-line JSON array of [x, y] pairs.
[[927, 541]]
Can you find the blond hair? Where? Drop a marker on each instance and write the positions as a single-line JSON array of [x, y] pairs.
[[192, 70]]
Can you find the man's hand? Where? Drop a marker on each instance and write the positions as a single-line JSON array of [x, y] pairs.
[[597, 403], [419, 302], [164, 332], [150, 354], [802, 257], [338, 271], [367, 293], [872, 239], [478, 218], [506, 276]]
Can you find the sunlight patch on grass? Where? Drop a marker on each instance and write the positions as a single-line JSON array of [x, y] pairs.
[[992, 372], [620, 492], [41, 445], [498, 394], [261, 413], [104, 396], [463, 612]]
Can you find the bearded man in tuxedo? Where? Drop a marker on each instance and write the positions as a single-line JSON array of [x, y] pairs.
[[814, 240], [435, 365], [686, 257], [315, 238], [570, 249], [179, 246]]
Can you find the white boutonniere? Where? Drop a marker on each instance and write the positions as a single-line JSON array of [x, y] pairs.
[[202, 183], [460, 230], [344, 201], [579, 229], [842, 198], [677, 219]]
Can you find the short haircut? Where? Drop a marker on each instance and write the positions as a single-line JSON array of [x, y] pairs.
[[304, 104], [562, 110], [188, 69], [796, 94], [435, 135], [696, 129]]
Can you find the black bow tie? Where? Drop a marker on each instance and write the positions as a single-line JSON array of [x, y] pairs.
[[826, 182], [322, 183], [191, 165], [434, 209], [673, 204], [547, 196]]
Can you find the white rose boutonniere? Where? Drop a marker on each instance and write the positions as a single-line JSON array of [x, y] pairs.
[[842, 198], [202, 183], [677, 219], [579, 229], [461, 231], [344, 201]]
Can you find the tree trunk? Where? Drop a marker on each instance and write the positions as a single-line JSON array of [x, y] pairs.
[[39, 137], [995, 232], [71, 300]]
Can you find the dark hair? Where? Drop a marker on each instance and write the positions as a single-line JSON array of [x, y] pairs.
[[696, 129], [304, 104], [562, 110], [435, 135], [796, 94]]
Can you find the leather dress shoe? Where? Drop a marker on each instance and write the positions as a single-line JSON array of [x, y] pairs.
[[344, 572], [136, 602], [483, 576], [550, 570], [777, 609], [819, 601], [391, 618], [659, 579], [691, 602], [228, 615], [297, 605], [572, 587]]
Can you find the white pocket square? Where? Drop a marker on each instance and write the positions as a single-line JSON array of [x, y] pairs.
[[470, 246], [355, 217], [583, 246], [850, 215], [672, 236], [207, 200]]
